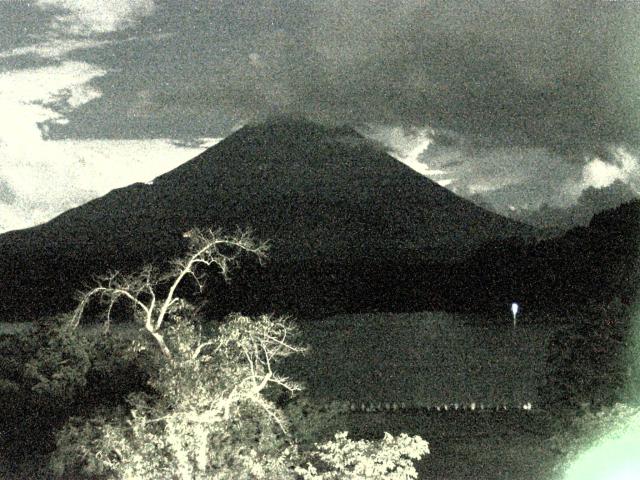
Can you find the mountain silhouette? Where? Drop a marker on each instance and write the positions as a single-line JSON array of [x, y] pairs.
[[317, 193], [585, 268]]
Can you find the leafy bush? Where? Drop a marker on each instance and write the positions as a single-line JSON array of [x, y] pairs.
[[53, 372], [206, 413], [212, 415], [211, 408], [312, 420], [586, 360], [58, 368], [344, 459]]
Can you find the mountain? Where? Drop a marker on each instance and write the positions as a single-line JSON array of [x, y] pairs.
[[585, 267], [590, 202], [321, 196]]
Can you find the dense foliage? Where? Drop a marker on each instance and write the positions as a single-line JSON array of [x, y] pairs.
[[213, 413], [345, 459], [586, 359], [206, 401]]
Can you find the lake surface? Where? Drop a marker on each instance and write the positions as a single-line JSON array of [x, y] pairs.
[[426, 359]]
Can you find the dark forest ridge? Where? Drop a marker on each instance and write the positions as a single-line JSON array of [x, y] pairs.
[[314, 192]]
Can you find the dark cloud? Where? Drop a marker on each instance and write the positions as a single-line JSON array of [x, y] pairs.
[[596, 199], [560, 75], [7, 195], [21, 23]]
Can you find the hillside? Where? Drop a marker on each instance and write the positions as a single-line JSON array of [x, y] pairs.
[[320, 195]]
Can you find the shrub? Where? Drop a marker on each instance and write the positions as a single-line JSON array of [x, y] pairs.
[[206, 414], [312, 420], [212, 415], [57, 371], [345, 459], [211, 408], [586, 360]]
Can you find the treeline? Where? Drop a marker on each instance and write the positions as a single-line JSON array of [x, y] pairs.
[[585, 267]]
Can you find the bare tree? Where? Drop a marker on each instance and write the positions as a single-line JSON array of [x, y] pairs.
[[206, 248], [212, 413], [209, 389]]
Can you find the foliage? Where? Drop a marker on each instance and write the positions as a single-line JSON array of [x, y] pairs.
[[312, 420], [211, 410], [586, 359], [343, 459], [54, 362], [212, 417], [59, 366], [77, 445], [208, 414], [590, 427], [42, 370]]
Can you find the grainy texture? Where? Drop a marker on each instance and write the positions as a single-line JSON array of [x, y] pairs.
[[423, 359]]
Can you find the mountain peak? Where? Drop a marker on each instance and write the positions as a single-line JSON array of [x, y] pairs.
[[316, 193], [295, 127]]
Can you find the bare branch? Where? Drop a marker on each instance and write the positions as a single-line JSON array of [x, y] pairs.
[[265, 380], [200, 347], [205, 250]]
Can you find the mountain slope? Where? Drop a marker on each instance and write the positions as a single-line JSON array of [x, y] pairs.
[[314, 192]]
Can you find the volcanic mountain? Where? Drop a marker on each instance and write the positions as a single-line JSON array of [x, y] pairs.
[[320, 195]]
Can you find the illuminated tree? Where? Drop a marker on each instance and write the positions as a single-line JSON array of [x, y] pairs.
[[206, 249], [211, 411]]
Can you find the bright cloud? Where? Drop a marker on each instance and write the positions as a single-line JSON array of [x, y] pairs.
[[43, 84], [63, 174], [52, 48], [408, 147], [48, 177], [41, 178], [23, 96], [598, 173], [97, 16]]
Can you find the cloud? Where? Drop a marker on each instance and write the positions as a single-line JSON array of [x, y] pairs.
[[52, 48], [600, 174], [522, 177], [88, 17], [408, 146], [561, 76], [564, 195], [24, 95], [41, 88], [623, 166], [64, 174], [591, 201], [41, 178], [493, 97]]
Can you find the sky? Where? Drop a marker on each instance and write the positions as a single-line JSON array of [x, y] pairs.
[[516, 105]]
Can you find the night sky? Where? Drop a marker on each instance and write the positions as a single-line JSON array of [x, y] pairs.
[[511, 104]]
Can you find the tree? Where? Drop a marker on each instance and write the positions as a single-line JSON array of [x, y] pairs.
[[586, 361], [211, 415], [212, 410], [140, 289]]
